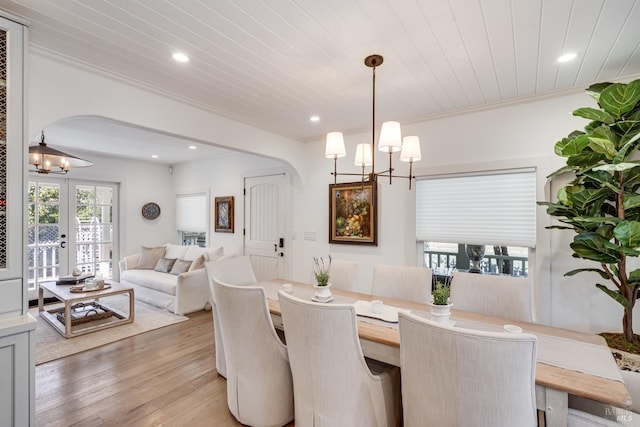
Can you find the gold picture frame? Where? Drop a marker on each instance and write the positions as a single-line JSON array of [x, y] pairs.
[[224, 214], [353, 213]]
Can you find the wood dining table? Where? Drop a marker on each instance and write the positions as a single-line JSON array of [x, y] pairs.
[[381, 341]]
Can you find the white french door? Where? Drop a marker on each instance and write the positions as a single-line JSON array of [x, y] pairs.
[[71, 224], [265, 211]]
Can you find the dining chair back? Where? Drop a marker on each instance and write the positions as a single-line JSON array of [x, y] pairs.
[[499, 296], [402, 282], [333, 385], [454, 377], [342, 275], [232, 271], [259, 384]]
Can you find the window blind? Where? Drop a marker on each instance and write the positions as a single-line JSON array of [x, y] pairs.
[[486, 209], [191, 212]]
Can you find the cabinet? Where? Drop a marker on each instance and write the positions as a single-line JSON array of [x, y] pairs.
[[12, 151], [17, 327]]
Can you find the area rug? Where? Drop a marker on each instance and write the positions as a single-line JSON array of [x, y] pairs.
[[50, 345]]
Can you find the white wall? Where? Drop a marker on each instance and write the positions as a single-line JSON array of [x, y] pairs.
[[222, 176]]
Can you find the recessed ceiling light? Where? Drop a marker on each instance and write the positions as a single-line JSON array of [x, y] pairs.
[[192, 147], [567, 57], [180, 57], [154, 156], [314, 119]]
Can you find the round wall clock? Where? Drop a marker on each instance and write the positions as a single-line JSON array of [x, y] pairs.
[[151, 210]]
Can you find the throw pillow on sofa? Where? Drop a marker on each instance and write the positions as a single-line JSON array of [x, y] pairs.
[[180, 266], [165, 265], [149, 257]]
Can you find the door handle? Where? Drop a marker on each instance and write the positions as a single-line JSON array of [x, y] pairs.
[[275, 247], [63, 244], [281, 254]]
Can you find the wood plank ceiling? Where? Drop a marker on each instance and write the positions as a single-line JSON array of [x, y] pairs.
[[274, 63]]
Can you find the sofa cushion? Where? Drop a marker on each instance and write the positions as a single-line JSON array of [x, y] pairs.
[[164, 265], [175, 251], [194, 252], [198, 263], [180, 266], [213, 254], [149, 257], [162, 282]]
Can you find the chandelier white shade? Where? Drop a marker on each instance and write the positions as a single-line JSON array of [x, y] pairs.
[[335, 146], [363, 155], [390, 141], [410, 149], [390, 137]]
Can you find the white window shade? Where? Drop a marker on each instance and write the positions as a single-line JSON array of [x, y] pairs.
[[487, 209], [191, 212]]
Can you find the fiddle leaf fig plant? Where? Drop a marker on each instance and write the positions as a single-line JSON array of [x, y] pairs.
[[602, 203]]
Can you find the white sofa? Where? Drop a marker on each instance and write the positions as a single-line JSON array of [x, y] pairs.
[[170, 276]]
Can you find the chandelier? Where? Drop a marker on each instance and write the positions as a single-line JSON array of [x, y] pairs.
[[390, 142], [49, 160]]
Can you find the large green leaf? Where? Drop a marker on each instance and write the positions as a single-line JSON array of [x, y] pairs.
[[628, 233], [583, 199], [598, 87], [616, 167], [594, 114], [634, 276], [603, 178], [571, 146], [585, 159], [594, 247], [581, 270], [561, 171], [619, 98], [603, 146], [616, 295], [631, 202]]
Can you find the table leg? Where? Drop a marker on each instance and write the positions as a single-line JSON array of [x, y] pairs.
[[131, 305], [556, 407], [67, 319], [40, 299]]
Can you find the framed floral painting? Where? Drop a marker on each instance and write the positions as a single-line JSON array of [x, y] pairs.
[[353, 213], [224, 214]]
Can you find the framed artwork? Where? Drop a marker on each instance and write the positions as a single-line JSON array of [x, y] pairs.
[[353, 213], [224, 214]]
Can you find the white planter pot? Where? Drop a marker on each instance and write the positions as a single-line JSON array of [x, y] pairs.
[[441, 313], [323, 292]]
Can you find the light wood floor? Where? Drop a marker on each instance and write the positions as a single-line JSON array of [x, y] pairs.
[[162, 377]]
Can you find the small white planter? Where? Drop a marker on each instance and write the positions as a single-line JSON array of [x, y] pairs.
[[323, 292], [441, 313]]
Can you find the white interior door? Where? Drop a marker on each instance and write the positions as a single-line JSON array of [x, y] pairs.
[[265, 200]]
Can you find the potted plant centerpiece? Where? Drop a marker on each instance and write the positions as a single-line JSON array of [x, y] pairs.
[[322, 285], [441, 302]]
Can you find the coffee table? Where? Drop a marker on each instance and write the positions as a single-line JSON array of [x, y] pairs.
[[71, 299]]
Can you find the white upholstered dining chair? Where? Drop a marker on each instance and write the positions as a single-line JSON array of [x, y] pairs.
[[259, 385], [457, 377], [499, 296], [333, 386], [231, 271], [402, 282]]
